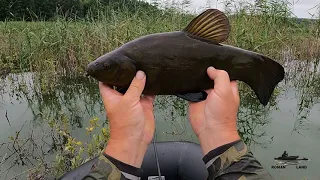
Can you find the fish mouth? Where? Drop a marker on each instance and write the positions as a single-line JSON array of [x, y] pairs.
[[100, 77], [89, 70]]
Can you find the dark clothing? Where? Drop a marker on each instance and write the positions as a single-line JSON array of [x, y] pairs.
[[230, 161]]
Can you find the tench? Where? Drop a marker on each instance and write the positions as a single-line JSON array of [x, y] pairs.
[[176, 62]]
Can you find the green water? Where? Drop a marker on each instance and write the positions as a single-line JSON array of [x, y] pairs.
[[290, 122]]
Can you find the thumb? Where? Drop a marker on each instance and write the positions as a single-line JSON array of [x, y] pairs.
[[136, 87], [108, 94], [221, 79]]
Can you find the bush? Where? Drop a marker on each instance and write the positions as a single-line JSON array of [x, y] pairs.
[[34, 10]]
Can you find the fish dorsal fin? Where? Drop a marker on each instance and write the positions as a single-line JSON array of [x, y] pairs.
[[212, 25]]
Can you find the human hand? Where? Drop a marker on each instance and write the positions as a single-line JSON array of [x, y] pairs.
[[214, 120], [131, 121]]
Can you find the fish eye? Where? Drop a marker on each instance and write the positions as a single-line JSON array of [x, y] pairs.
[[107, 66]]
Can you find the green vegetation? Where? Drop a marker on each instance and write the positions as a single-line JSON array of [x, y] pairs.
[[66, 46], [37, 10], [268, 27], [58, 39]]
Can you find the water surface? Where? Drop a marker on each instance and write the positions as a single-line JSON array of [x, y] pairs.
[[290, 121]]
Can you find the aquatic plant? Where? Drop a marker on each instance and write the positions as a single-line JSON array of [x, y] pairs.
[[46, 145], [30, 151]]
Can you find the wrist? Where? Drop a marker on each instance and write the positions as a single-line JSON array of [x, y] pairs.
[[127, 151], [210, 141]]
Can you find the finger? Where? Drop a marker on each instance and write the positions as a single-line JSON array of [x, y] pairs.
[[195, 107], [220, 77], [235, 90], [108, 94], [150, 98], [147, 102], [191, 103], [136, 87], [107, 91], [208, 91]]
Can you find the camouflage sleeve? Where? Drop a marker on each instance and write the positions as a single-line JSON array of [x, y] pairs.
[[234, 162], [109, 168]]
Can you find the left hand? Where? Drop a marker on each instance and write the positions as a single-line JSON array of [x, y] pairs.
[[131, 121]]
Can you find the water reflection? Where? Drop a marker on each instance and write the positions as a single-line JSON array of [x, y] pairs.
[[32, 140], [78, 100], [75, 97], [253, 117], [304, 78]]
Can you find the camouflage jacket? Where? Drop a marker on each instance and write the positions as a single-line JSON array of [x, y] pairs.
[[230, 161]]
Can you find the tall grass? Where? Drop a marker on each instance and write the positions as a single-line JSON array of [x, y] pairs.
[[269, 27], [66, 46]]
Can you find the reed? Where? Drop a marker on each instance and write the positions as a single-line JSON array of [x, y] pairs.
[[65, 46]]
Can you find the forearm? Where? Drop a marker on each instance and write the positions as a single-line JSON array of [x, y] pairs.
[[216, 138], [108, 167], [130, 152], [120, 160], [233, 161]]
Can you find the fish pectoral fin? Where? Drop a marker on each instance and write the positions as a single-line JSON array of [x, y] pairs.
[[122, 90], [212, 25], [194, 97]]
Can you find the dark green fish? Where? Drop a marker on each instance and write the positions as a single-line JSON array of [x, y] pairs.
[[176, 62]]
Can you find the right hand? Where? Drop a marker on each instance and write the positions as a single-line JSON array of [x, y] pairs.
[[131, 121], [214, 120]]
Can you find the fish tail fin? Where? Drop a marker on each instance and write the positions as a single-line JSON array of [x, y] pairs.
[[271, 73]]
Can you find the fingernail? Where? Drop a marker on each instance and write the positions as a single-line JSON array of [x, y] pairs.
[[211, 68], [140, 75]]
